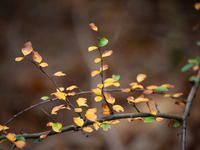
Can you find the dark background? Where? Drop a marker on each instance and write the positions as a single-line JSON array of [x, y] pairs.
[[154, 37]]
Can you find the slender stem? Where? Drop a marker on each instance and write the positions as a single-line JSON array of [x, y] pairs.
[[183, 137]]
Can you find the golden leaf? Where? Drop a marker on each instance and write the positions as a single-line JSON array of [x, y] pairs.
[[78, 109], [43, 136], [126, 90], [98, 98], [59, 73], [148, 92], [133, 84], [81, 102], [71, 93], [94, 73], [44, 64], [19, 58], [27, 48], [151, 87], [167, 95], [109, 98], [104, 67], [116, 84], [118, 108], [11, 137], [78, 121], [96, 91], [100, 85], [107, 53], [36, 57], [177, 94], [90, 114], [141, 77], [57, 108], [105, 107], [130, 99], [137, 86], [115, 122], [91, 48], [3, 127], [96, 125], [167, 86], [49, 124], [71, 87], [88, 129], [195, 67], [59, 95], [20, 144], [97, 60], [110, 80], [93, 27], [138, 118], [159, 119]]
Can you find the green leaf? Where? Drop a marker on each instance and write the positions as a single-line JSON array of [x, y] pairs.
[[159, 88], [35, 140], [116, 77], [176, 124], [103, 42], [44, 98], [1, 148], [21, 138], [193, 78], [56, 127], [186, 67], [105, 126], [192, 61], [149, 119], [198, 59], [198, 43]]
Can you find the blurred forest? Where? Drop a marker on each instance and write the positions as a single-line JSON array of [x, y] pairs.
[[154, 37]]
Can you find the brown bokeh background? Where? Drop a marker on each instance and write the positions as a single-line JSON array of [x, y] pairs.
[[150, 36]]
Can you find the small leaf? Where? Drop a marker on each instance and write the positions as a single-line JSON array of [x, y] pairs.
[[78, 109], [176, 124], [43, 136], [105, 107], [118, 108], [78, 121], [88, 129], [116, 77], [36, 57], [159, 88], [94, 73], [56, 127], [59, 95], [187, 67], [141, 77], [27, 48], [35, 140], [90, 114], [71, 87], [148, 91], [138, 86], [20, 144], [44, 98], [105, 67], [195, 67], [98, 98], [126, 90], [198, 43], [57, 108], [81, 102], [44, 64], [3, 127], [96, 91], [159, 119], [21, 138], [11, 137], [194, 61], [109, 98], [107, 53], [103, 42], [177, 94], [97, 60], [105, 126], [19, 58], [197, 6], [179, 103], [193, 78], [59, 73], [149, 119], [93, 27], [167, 85], [91, 48]]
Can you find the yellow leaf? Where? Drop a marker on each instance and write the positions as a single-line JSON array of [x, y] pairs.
[[139, 119], [27, 48], [141, 77], [49, 124], [57, 108], [126, 90], [71, 93], [115, 122], [96, 91], [179, 103], [88, 129], [197, 6], [56, 127], [148, 92], [167, 95], [91, 48], [93, 27], [19, 58], [71, 87], [151, 87], [110, 80], [104, 67], [78, 109], [11, 137], [44, 64], [20, 144], [133, 84], [177, 94], [116, 84], [94, 73], [81, 102], [159, 119], [59, 73], [97, 60], [130, 99], [167, 86], [137, 86], [96, 125], [61, 88], [78, 121], [107, 53], [36, 57], [100, 85], [98, 98], [3, 127], [90, 114], [108, 84], [109, 98], [105, 113], [195, 67], [118, 108], [43, 136], [59, 95], [137, 100]]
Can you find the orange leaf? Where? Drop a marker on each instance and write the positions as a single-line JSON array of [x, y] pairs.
[[118, 108], [91, 48], [11, 137], [107, 53], [19, 58], [152, 111], [105, 107], [78, 121], [137, 86], [151, 87], [59, 73], [27, 48], [148, 92], [98, 98], [71, 93], [96, 91], [105, 113], [104, 67], [97, 60], [159, 119], [167, 86], [90, 114], [93, 27], [49, 124], [36, 57], [177, 94], [195, 67], [43, 136], [88, 129], [81, 102], [139, 119], [44, 64], [109, 98], [57, 108], [141, 77], [94, 73], [20, 144], [130, 99], [197, 6], [140, 99], [126, 90], [78, 109], [133, 84]]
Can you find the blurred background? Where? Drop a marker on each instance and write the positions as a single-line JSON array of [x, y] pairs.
[[154, 37]]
